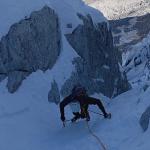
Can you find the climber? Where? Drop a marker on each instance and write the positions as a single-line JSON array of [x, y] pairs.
[[80, 101]]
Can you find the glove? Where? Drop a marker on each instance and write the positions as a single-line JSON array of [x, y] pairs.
[[105, 115], [62, 118], [88, 118]]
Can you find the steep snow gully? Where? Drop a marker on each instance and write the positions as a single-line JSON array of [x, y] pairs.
[[29, 122]]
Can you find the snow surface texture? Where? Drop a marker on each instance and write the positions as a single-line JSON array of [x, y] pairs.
[[27, 121], [137, 63], [30, 102], [115, 9]]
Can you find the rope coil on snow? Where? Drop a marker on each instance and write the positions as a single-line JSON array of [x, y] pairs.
[[96, 137]]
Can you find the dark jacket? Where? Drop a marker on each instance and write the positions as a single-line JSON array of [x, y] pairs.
[[84, 101]]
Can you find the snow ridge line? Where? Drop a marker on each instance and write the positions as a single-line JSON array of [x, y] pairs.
[[96, 137]]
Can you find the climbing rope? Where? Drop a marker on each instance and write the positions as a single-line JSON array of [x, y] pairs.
[[95, 112], [91, 132], [95, 136]]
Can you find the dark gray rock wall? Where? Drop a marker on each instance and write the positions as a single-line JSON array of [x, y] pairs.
[[31, 44], [53, 95], [97, 68], [144, 120], [15, 79]]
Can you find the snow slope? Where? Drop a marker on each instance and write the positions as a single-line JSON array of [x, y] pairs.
[[22, 115], [28, 121]]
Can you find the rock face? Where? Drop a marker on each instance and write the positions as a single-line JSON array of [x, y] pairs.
[[53, 95], [15, 79], [144, 120], [34, 43], [31, 44], [129, 31], [97, 68]]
